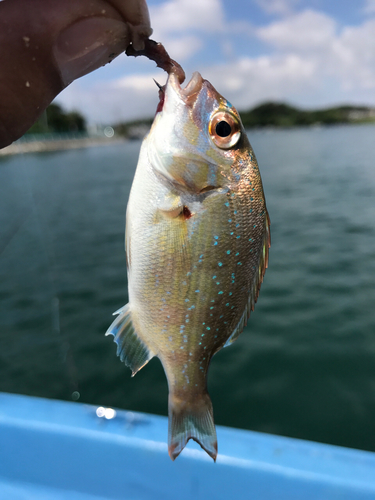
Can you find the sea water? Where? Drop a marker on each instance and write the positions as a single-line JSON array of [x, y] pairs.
[[305, 364]]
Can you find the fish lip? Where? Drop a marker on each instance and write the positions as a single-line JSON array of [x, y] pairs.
[[192, 88]]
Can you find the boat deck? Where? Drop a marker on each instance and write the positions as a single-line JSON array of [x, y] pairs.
[[59, 450]]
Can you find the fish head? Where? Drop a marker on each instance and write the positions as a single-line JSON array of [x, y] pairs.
[[197, 136]]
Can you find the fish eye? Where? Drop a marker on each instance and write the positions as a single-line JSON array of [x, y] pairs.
[[224, 129]]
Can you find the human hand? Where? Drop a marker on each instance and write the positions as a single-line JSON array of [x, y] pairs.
[[46, 44]]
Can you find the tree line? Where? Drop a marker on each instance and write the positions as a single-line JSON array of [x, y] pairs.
[[56, 120]]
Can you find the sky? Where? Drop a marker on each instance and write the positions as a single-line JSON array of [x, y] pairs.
[[308, 53]]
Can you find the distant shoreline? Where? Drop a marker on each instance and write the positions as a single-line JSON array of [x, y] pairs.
[[40, 146], [275, 115], [49, 145]]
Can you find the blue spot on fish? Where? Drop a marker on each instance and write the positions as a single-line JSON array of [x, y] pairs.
[[220, 293], [220, 264], [228, 252], [226, 204], [196, 291]]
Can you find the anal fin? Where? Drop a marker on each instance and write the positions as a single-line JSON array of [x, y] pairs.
[[130, 348]]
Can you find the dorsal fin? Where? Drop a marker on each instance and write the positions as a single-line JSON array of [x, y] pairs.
[[255, 288]]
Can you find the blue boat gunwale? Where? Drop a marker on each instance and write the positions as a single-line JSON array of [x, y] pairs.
[[45, 441]]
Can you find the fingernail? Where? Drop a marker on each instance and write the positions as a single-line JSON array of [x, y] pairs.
[[88, 44]]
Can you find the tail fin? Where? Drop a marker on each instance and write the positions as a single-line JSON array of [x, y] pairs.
[[191, 420]]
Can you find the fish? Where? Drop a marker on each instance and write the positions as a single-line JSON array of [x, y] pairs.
[[197, 243]]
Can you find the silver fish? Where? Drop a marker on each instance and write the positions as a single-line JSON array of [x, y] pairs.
[[197, 240]]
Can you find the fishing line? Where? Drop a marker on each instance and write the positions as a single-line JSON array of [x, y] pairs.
[[47, 252]]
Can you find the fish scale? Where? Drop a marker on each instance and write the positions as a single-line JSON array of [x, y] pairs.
[[197, 240]]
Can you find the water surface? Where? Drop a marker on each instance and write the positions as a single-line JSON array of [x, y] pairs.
[[305, 365]]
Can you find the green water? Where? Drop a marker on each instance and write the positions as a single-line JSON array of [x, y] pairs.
[[305, 365]]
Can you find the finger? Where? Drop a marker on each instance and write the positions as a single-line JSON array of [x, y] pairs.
[[53, 43]]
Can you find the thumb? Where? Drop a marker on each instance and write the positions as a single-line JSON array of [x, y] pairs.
[[53, 43]]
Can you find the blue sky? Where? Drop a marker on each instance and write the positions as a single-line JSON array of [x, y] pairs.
[[310, 53]]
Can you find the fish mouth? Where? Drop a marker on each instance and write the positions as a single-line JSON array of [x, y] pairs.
[[191, 89]]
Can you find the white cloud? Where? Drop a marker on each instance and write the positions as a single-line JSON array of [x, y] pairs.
[[307, 30], [306, 59], [182, 25], [248, 81], [353, 56], [176, 16], [137, 83], [347, 57], [184, 47], [282, 7], [128, 98], [369, 7]]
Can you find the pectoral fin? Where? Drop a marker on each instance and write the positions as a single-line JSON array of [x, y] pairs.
[[130, 348], [171, 206]]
